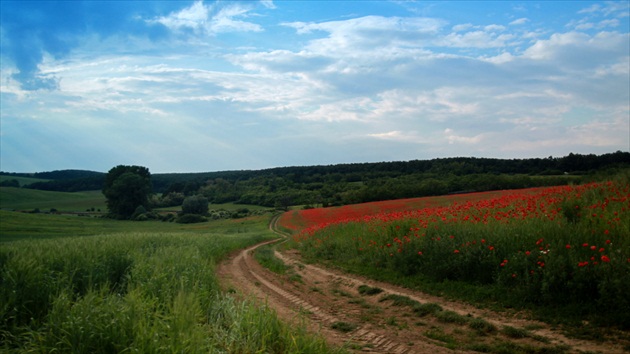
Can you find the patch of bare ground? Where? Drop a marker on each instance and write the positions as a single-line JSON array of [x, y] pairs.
[[364, 315]]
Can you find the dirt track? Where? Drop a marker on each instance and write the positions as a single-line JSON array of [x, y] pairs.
[[331, 305]]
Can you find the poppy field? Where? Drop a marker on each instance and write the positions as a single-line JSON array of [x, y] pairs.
[[565, 247]]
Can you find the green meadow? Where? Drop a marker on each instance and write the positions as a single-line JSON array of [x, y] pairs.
[[29, 199], [93, 285]]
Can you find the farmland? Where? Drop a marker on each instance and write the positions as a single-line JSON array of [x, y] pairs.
[[557, 254], [561, 252], [123, 286]]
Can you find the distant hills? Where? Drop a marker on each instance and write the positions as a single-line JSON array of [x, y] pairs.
[[350, 183]]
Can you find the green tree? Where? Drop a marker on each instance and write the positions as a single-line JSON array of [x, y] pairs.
[[126, 188], [197, 204]]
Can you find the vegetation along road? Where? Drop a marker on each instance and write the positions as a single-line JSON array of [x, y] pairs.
[[365, 315]]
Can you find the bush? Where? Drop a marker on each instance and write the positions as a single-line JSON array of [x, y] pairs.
[[190, 219], [197, 204]]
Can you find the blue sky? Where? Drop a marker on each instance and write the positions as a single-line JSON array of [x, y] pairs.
[[183, 86]]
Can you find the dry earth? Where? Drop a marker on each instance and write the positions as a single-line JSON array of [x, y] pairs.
[[329, 302]]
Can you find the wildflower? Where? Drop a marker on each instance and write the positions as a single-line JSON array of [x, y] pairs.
[[593, 248], [605, 259], [491, 248], [456, 251], [585, 244], [527, 253], [568, 246], [420, 253], [608, 242], [601, 250], [513, 275]]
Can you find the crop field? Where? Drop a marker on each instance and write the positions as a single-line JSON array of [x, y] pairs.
[[563, 252], [149, 288], [30, 199]]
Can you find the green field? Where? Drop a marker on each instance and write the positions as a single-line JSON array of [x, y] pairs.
[[93, 285], [21, 180], [29, 199]]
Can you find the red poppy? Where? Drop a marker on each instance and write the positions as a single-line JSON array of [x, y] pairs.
[[605, 259]]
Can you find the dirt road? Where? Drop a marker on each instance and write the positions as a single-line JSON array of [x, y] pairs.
[[340, 307]]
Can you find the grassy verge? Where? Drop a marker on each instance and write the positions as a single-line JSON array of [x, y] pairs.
[[139, 291]]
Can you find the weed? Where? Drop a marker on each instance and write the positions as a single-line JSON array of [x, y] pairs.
[[344, 327], [481, 326], [368, 290], [426, 309]]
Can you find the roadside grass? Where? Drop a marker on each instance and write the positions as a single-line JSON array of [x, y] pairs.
[[369, 290], [266, 257], [129, 289]]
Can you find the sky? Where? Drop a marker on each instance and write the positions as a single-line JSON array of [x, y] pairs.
[[200, 86]]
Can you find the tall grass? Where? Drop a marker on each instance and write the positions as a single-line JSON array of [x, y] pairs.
[[562, 249], [134, 292]]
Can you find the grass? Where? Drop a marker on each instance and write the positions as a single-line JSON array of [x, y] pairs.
[[369, 290], [266, 257], [344, 327], [132, 287], [29, 199]]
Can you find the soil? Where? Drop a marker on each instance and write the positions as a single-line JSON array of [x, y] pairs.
[[330, 304]]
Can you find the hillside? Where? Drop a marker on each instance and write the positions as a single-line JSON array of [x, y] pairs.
[[341, 184]]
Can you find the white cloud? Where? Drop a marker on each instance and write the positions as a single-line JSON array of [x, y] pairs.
[[519, 21], [211, 19]]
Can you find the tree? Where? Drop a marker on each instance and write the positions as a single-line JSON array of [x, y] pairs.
[[126, 188], [197, 204]]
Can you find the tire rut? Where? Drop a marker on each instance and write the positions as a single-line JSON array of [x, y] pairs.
[[296, 302]]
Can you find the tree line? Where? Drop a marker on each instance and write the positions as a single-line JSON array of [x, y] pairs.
[[330, 185]]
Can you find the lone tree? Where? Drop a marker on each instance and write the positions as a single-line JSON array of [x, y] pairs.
[[126, 188], [197, 204]]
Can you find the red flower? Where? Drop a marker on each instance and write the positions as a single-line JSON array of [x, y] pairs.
[[601, 250], [491, 248], [527, 253], [568, 246], [605, 259], [593, 248], [456, 251], [585, 244]]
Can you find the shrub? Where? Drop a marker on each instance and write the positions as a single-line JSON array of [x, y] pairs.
[[197, 204], [190, 218]]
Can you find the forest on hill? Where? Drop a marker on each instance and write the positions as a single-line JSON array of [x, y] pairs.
[[328, 185]]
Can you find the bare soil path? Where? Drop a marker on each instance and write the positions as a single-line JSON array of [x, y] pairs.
[[329, 302]]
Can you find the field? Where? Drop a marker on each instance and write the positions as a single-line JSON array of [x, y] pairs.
[[148, 287], [30, 199], [561, 252]]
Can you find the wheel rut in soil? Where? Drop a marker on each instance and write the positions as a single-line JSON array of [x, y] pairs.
[[327, 301]]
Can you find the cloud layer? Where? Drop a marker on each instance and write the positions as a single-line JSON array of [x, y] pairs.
[[206, 86]]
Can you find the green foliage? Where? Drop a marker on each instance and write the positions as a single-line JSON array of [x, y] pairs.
[[266, 257], [196, 204], [190, 218], [126, 188], [369, 290]]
